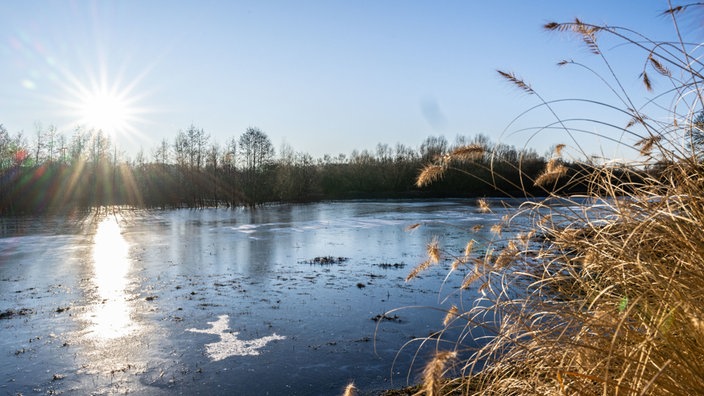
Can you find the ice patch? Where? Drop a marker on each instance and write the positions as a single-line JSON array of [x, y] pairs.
[[229, 344], [245, 228]]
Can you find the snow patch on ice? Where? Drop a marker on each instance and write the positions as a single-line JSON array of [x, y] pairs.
[[229, 344]]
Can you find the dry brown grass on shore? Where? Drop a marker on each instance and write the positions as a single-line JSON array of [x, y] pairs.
[[610, 299], [611, 306]]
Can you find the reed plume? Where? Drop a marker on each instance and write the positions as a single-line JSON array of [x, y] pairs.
[[554, 170], [451, 314], [433, 373], [646, 81], [647, 144], [507, 256], [659, 67], [559, 148], [467, 153], [516, 81], [350, 390], [483, 206], [456, 263], [471, 278], [468, 248], [429, 174], [433, 252], [418, 269], [413, 227], [585, 31]]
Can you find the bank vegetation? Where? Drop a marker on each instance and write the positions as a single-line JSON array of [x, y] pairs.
[[602, 294]]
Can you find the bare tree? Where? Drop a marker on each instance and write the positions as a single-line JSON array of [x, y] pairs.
[[212, 166], [255, 152], [5, 148], [255, 149], [181, 149], [38, 142], [197, 143], [433, 147], [50, 137], [62, 148], [229, 154], [161, 153], [77, 147]]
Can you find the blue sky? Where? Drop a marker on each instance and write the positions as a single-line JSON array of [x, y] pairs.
[[322, 76]]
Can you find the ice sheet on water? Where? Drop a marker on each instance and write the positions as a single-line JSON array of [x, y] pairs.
[[204, 263], [245, 228], [29, 243]]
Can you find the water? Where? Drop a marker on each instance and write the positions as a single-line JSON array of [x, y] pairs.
[[222, 301]]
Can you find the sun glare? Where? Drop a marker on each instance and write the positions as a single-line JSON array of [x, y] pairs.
[[111, 314], [100, 101], [104, 111]]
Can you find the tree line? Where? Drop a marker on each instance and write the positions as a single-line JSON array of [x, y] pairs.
[[57, 172]]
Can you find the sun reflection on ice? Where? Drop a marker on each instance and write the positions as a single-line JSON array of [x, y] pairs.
[[110, 316]]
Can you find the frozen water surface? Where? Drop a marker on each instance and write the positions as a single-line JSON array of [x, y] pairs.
[[224, 301]]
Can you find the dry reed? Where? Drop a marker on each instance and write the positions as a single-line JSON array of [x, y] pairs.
[[516, 81], [470, 152], [451, 314], [433, 373], [350, 390], [429, 174], [483, 206], [603, 296], [554, 170], [413, 227], [559, 148], [433, 251]]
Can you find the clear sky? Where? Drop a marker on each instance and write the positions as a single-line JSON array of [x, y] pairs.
[[323, 76]]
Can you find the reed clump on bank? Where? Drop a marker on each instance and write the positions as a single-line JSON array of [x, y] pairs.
[[603, 295]]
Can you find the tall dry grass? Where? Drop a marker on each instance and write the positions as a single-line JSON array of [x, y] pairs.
[[604, 296]]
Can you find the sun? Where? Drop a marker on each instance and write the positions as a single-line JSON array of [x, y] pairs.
[[97, 100], [104, 111]]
